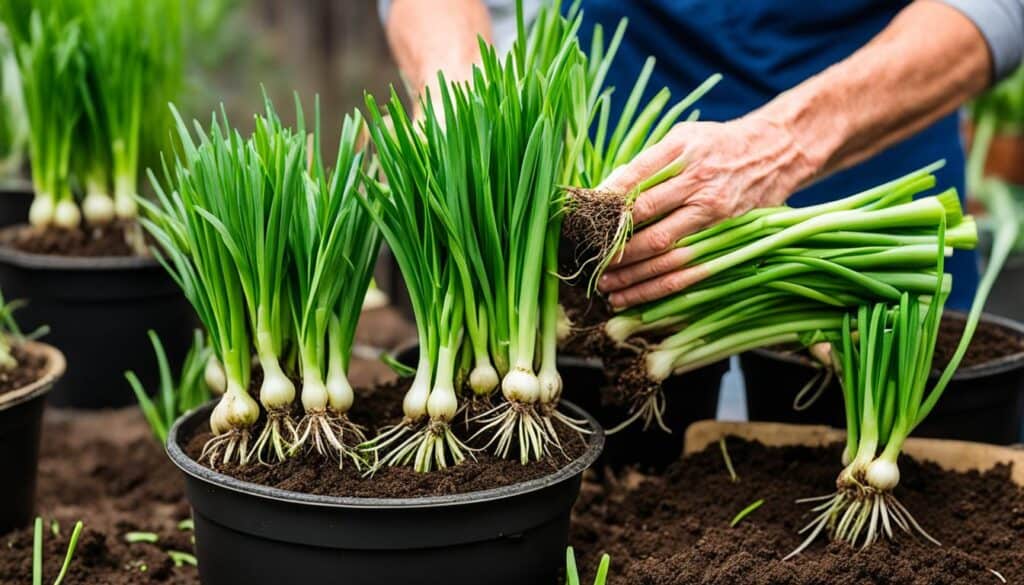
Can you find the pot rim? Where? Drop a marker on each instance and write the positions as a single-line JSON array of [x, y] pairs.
[[56, 364], [997, 366], [595, 444], [30, 260]]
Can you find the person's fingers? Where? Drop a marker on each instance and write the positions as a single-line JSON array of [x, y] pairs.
[[663, 198], [656, 288], [662, 235], [645, 164], [627, 276]]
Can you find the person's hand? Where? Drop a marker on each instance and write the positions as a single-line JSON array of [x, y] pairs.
[[730, 168]]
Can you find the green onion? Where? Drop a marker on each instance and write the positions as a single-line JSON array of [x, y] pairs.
[[89, 68], [333, 245], [174, 398], [47, 46], [884, 373], [745, 512], [788, 276], [473, 214], [572, 575], [275, 252], [196, 254]]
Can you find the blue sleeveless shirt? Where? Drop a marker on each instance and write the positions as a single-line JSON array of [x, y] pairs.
[[762, 48]]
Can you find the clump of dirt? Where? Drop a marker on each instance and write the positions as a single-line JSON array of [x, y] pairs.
[[596, 225], [29, 369], [104, 241], [375, 409], [674, 529]]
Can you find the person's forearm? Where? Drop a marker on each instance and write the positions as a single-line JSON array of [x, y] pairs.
[[925, 64], [439, 35]]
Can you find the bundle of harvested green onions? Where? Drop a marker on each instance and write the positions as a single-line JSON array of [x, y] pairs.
[[788, 276], [884, 358], [88, 69], [276, 259]]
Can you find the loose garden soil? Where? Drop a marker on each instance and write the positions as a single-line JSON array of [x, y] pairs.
[[29, 369], [90, 241], [658, 529], [674, 529]]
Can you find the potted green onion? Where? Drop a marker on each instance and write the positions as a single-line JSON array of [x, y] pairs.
[[91, 75]]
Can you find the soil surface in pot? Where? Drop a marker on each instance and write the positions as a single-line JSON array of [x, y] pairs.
[[991, 341], [379, 407], [89, 242], [29, 369], [674, 529]]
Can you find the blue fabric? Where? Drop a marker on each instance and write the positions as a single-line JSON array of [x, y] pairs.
[[762, 48]]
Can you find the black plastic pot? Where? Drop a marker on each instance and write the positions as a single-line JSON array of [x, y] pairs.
[[983, 403], [14, 203], [688, 398], [98, 311], [257, 535], [21, 423]]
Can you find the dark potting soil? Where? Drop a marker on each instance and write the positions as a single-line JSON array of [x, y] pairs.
[[376, 408], [29, 369], [990, 342], [90, 241], [115, 482], [674, 529]]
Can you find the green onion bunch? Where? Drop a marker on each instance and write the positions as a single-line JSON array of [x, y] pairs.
[[789, 276], [472, 212], [89, 70], [275, 253], [884, 358]]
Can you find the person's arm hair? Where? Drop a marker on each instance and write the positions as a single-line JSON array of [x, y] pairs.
[[435, 35], [929, 60]]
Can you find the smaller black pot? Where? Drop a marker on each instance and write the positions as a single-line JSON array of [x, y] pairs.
[[98, 311], [257, 535], [983, 403], [689, 397], [15, 201], [21, 423]]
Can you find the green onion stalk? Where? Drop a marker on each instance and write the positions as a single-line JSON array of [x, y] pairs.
[[47, 47], [411, 213], [191, 246], [334, 244], [787, 276], [253, 214], [884, 359]]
